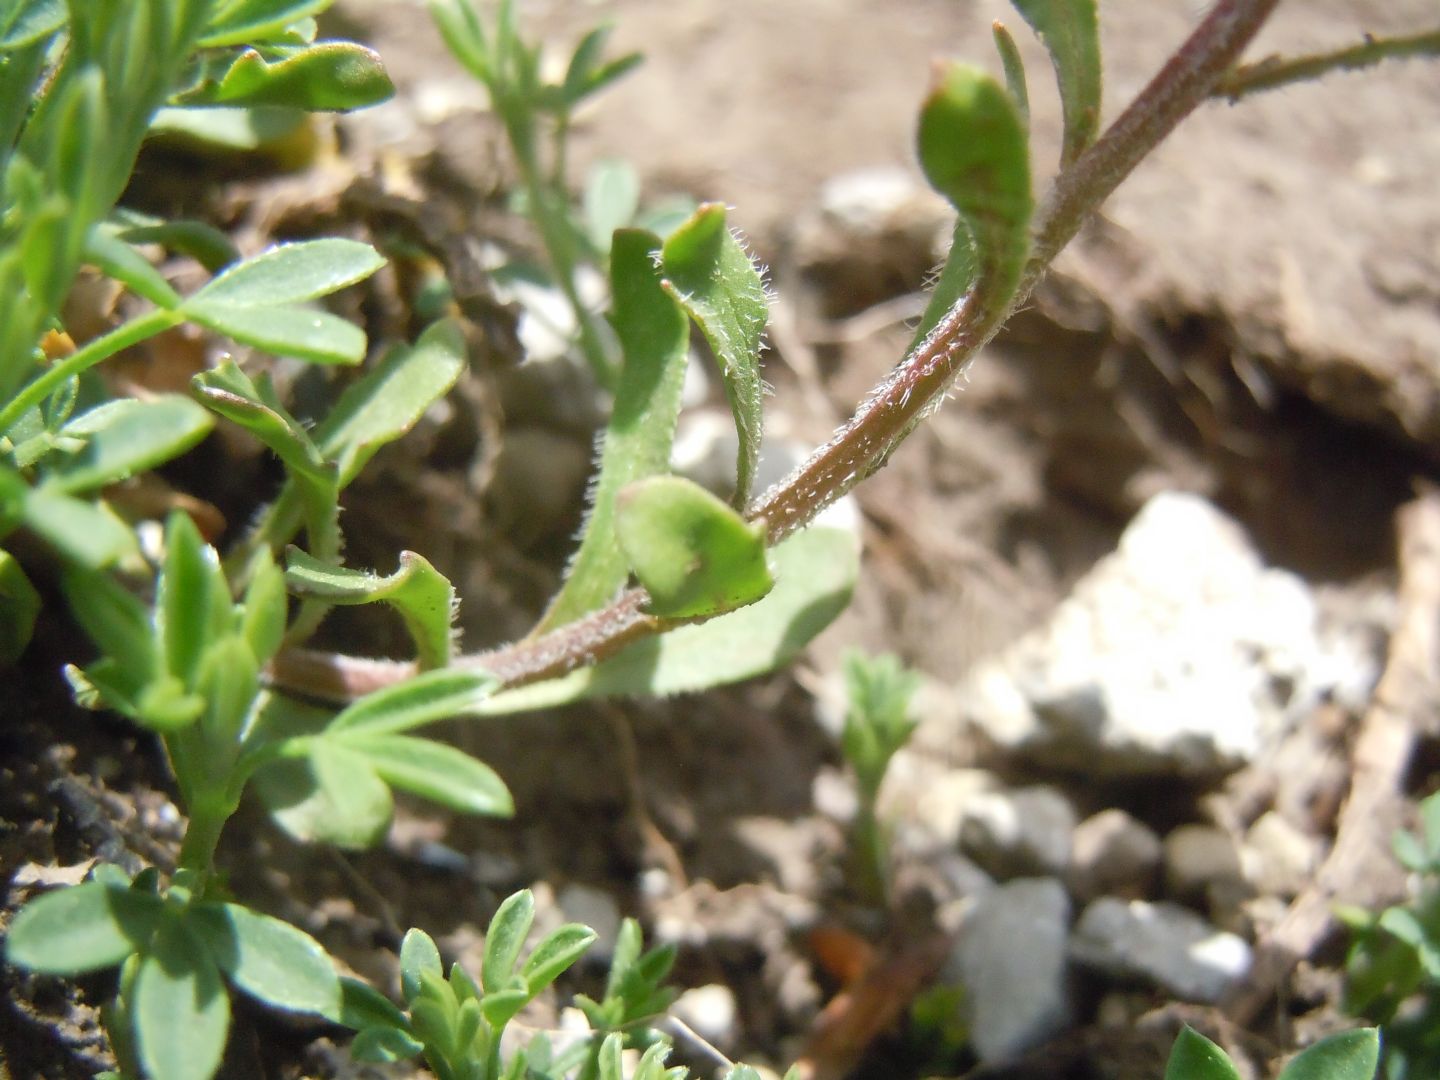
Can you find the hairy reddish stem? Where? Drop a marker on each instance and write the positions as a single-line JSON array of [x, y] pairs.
[[896, 405]]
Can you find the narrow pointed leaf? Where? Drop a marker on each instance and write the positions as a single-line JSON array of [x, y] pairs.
[[265, 607], [388, 400], [81, 928], [815, 572], [974, 150], [286, 330], [122, 262], [1070, 31], [229, 391], [181, 1011], [556, 953], [708, 272], [418, 954], [19, 608], [115, 619], [693, 553], [422, 596], [292, 274], [654, 336], [331, 796], [431, 696], [1346, 1055], [1194, 1057], [126, 437], [1014, 68], [330, 76], [434, 771], [268, 959], [504, 939], [192, 598]]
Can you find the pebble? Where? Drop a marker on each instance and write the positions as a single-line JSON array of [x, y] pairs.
[[1113, 854], [1020, 833]]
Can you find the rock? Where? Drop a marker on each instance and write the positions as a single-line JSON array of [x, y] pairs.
[[1278, 859], [1198, 859], [1022, 833], [1010, 959], [1113, 853], [1163, 944], [710, 1011], [596, 909], [1180, 653]]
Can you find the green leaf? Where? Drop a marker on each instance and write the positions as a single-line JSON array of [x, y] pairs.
[[19, 608], [81, 928], [331, 795], [1430, 825], [609, 1058], [504, 939], [192, 598], [226, 129], [815, 571], [500, 1007], [1194, 1057], [264, 608], [201, 241], [362, 1006], [440, 773], [430, 696], [86, 533], [293, 274], [229, 681], [390, 398], [384, 1044], [331, 76], [31, 20], [556, 952], [422, 595], [1346, 1055], [974, 150], [654, 336], [1069, 30], [302, 332], [1014, 68], [269, 959], [181, 1011], [709, 274], [249, 21], [116, 620], [693, 553], [418, 954], [126, 437], [610, 200], [106, 250]]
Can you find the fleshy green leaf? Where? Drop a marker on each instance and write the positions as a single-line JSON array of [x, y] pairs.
[[609, 1059], [418, 954], [81, 928], [693, 553], [250, 21], [115, 620], [228, 680], [86, 533], [330, 76], [362, 1006], [192, 598], [390, 398], [302, 332], [504, 939], [430, 696], [381, 1044], [707, 271], [653, 335], [1014, 68], [432, 770], [559, 949], [269, 959], [1346, 1055], [264, 607], [204, 243], [181, 1012], [1069, 30], [128, 436], [422, 595], [501, 1006], [332, 795], [293, 274], [115, 257], [973, 148], [241, 130], [815, 571], [1194, 1057], [19, 607]]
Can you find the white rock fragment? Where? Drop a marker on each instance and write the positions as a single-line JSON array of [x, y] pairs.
[[1180, 653], [1163, 944], [1021, 833], [709, 1011]]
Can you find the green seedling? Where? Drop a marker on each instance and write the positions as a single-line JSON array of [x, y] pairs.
[[1346, 1055], [878, 722], [1393, 969]]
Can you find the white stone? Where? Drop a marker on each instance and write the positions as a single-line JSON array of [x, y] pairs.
[[1010, 958], [1113, 853], [1179, 653], [1199, 858], [1163, 944], [710, 1011], [1278, 858], [1021, 833]]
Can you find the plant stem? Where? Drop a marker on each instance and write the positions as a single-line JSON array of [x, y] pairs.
[[102, 348], [1276, 71], [916, 386]]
